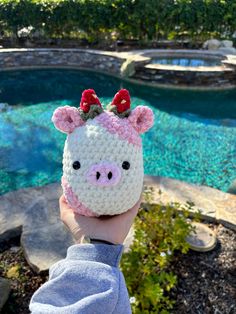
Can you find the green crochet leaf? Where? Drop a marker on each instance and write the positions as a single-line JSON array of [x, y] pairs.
[[122, 115], [94, 111]]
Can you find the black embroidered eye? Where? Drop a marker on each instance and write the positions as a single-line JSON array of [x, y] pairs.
[[126, 165], [76, 165]]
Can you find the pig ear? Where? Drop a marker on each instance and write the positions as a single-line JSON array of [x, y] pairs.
[[66, 119], [141, 118]]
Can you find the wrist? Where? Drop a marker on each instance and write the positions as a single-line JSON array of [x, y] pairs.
[[86, 240], [100, 241]]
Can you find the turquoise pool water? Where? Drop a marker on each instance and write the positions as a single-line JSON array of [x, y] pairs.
[[187, 62], [193, 139]]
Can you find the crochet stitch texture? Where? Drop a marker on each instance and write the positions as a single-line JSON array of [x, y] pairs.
[[107, 152]]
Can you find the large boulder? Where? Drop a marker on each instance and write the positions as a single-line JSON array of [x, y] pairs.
[[33, 213], [226, 43], [212, 44], [229, 51]]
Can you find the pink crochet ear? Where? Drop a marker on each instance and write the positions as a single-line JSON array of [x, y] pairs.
[[141, 118], [66, 119]]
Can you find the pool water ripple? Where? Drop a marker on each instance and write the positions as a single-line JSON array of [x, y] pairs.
[[187, 62], [187, 142]]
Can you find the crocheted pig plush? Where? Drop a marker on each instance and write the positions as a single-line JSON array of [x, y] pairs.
[[102, 160]]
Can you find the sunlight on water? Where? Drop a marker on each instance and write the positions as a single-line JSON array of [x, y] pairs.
[[193, 139], [186, 62]]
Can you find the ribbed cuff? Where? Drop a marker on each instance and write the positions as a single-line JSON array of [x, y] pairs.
[[101, 253]]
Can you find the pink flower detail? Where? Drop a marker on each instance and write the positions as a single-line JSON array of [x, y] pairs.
[[66, 119], [122, 127], [74, 202]]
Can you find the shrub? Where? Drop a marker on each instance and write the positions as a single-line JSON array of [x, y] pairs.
[[159, 232], [131, 19]]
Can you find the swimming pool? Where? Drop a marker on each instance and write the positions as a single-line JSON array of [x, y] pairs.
[[193, 139], [187, 61]]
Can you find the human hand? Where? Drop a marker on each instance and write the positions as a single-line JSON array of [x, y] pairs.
[[113, 229]]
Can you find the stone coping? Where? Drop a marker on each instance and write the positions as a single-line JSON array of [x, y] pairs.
[[155, 52], [138, 52], [213, 204], [189, 69], [144, 54], [120, 63], [231, 60], [33, 213], [204, 54], [216, 55], [100, 52]]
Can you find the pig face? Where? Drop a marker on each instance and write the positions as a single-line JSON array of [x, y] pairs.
[[102, 160]]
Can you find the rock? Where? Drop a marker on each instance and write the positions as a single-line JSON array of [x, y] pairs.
[[226, 213], [225, 46], [34, 213], [232, 188], [213, 204], [4, 291], [212, 44], [45, 246], [228, 50], [226, 43], [128, 68]]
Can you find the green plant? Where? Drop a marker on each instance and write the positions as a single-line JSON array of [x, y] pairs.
[[144, 20], [159, 232]]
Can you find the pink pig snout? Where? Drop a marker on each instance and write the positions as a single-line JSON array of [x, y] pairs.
[[104, 174]]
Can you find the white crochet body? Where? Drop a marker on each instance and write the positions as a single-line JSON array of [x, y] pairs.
[[90, 144]]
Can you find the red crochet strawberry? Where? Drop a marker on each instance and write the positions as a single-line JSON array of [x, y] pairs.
[[88, 99], [121, 100]]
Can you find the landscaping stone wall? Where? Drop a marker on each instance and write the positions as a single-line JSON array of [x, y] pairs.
[[17, 58], [225, 77]]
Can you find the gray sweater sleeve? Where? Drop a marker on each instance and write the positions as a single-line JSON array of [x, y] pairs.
[[87, 281]]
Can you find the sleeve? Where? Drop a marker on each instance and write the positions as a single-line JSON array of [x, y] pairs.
[[87, 281]]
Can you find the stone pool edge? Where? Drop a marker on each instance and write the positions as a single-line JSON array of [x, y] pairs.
[[132, 66], [214, 205]]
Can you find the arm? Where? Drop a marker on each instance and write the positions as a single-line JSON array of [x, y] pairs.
[[87, 281]]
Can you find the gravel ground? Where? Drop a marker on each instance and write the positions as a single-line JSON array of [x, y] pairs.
[[206, 281], [25, 282]]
